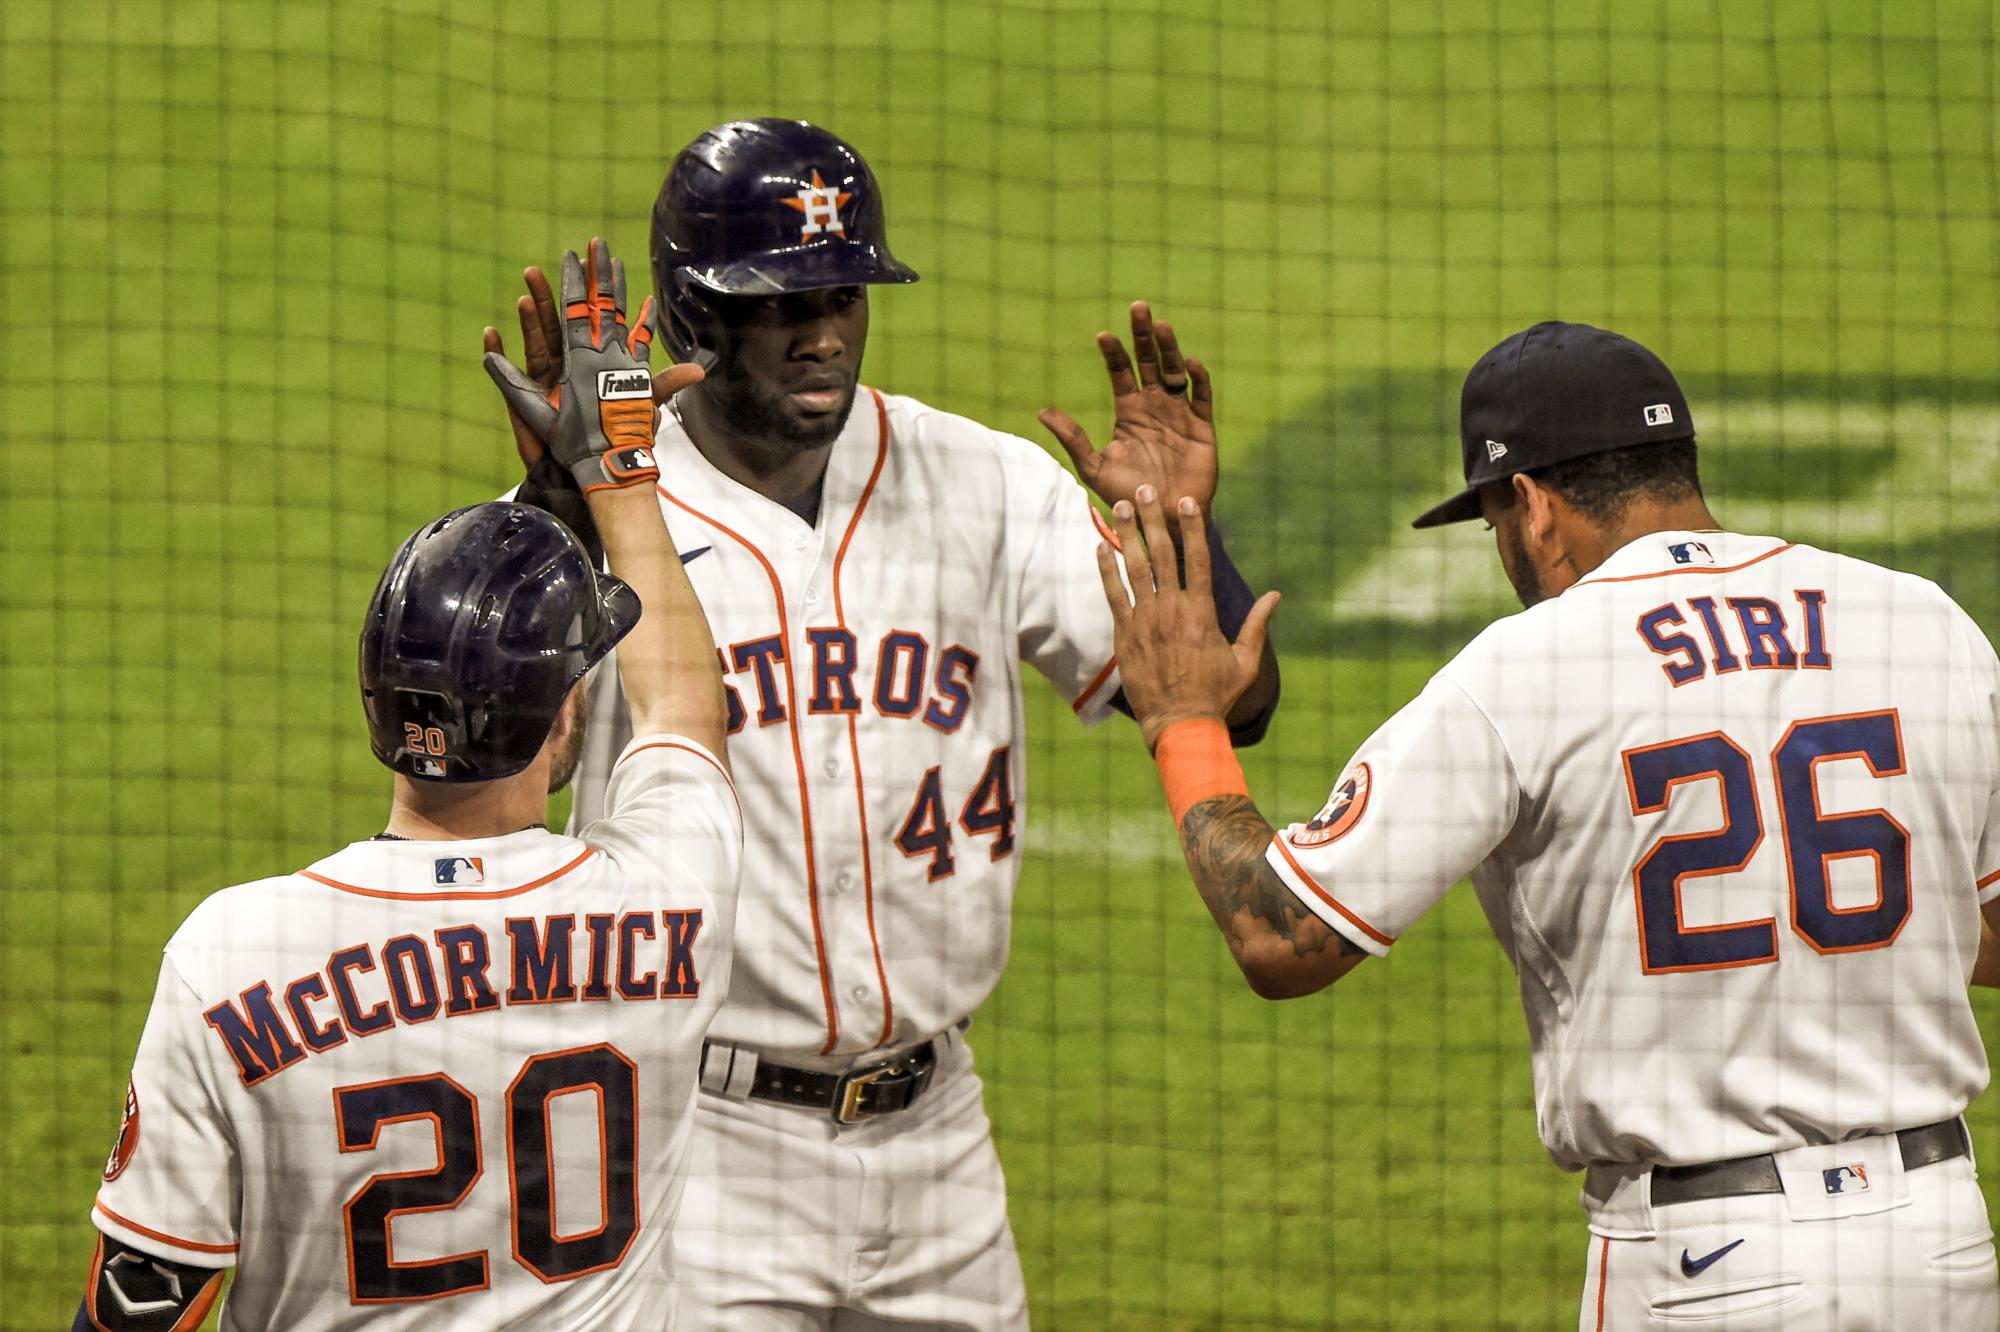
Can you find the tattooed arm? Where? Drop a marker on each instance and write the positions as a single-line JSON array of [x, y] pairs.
[[1284, 950], [1177, 666]]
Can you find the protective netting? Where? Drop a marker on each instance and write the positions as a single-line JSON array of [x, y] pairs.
[[248, 248]]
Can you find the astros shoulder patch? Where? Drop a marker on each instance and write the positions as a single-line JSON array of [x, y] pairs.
[[1342, 811]]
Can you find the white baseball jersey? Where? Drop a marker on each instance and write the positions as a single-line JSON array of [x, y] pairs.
[[1731, 806], [424, 1081], [876, 724]]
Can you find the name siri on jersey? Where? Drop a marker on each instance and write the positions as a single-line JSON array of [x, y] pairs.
[[1757, 632], [451, 973], [906, 684]]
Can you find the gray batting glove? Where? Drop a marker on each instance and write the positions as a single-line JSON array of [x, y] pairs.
[[599, 421]]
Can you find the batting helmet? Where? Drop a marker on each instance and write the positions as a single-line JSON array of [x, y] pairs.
[[756, 208], [484, 620]]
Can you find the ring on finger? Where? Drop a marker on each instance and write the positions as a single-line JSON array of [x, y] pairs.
[[1175, 387]]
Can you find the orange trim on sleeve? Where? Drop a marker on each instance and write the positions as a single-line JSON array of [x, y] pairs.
[[853, 729], [1095, 685], [1690, 569], [1279, 841], [1988, 879], [1104, 529], [191, 1246], [551, 876]]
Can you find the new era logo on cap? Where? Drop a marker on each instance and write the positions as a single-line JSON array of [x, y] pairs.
[[1553, 393]]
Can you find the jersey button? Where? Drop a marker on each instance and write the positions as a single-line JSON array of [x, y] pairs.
[[841, 881], [831, 767], [799, 541], [812, 595], [858, 993]]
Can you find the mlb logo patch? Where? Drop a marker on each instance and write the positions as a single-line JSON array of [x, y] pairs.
[[459, 871], [1691, 552], [1659, 414], [1846, 1179]]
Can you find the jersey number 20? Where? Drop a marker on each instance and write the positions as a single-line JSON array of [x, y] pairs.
[[376, 1276], [1813, 841]]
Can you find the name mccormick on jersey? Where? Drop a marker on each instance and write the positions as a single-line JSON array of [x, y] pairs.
[[363, 991]]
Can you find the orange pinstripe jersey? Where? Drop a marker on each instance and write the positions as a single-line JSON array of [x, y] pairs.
[[873, 663], [1731, 806], [442, 1080]]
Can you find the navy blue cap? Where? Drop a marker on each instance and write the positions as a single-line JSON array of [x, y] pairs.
[[1552, 393]]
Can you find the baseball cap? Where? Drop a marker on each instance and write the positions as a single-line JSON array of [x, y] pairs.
[[1554, 392]]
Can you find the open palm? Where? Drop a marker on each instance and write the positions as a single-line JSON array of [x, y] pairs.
[[1163, 420]]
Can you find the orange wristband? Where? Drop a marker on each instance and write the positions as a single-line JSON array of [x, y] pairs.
[[1197, 763]]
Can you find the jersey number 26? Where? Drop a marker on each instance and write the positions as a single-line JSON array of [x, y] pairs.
[[1813, 841]]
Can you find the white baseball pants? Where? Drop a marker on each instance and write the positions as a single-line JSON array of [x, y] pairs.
[[1912, 1251], [791, 1222]]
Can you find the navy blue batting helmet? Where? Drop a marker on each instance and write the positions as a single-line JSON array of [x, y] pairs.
[[481, 625], [758, 208]]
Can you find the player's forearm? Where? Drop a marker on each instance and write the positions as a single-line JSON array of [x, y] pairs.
[[1986, 969], [667, 663], [1283, 949]]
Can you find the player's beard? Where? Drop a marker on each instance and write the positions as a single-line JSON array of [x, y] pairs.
[[562, 765], [1520, 569], [757, 411]]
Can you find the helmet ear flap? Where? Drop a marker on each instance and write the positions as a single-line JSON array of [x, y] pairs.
[[689, 325]]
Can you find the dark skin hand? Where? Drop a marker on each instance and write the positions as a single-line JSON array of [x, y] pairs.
[[1177, 666], [1162, 420], [1163, 436]]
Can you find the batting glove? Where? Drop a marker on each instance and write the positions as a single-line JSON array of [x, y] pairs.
[[599, 422]]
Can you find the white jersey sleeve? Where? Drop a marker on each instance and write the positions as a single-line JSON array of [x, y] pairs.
[[1428, 797], [669, 803], [1064, 623], [172, 1186]]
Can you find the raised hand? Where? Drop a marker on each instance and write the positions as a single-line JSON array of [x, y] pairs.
[[1173, 661], [599, 421], [541, 346], [1163, 421]]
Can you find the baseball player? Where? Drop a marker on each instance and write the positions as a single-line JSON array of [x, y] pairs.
[[1731, 805], [443, 1077], [877, 571]]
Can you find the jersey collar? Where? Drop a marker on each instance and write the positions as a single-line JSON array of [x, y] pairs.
[[690, 479], [1661, 554], [479, 868]]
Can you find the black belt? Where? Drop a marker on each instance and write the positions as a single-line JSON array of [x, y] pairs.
[[858, 1094], [1920, 1147]]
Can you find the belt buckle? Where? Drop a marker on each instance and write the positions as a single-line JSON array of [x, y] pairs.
[[847, 1108]]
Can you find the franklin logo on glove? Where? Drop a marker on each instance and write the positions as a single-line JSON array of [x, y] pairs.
[[624, 384]]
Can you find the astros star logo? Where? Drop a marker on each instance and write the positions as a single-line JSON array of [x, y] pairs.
[[821, 203]]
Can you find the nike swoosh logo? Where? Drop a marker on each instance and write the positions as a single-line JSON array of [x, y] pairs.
[[688, 557], [1694, 1267]]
